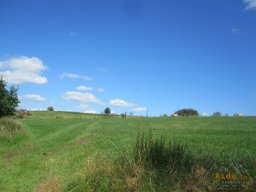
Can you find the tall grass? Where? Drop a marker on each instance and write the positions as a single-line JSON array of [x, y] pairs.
[[151, 165], [169, 162], [9, 125]]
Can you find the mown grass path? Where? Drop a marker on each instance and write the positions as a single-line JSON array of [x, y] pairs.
[[51, 149]]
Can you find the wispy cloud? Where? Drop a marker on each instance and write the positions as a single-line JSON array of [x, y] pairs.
[[140, 109], [235, 30], [33, 97], [75, 76], [250, 4], [18, 70], [82, 97], [100, 90], [120, 103], [83, 88], [102, 70], [72, 34], [70, 75]]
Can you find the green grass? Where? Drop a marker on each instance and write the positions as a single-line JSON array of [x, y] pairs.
[[57, 146]]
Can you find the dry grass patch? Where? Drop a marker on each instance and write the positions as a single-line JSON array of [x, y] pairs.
[[51, 185]]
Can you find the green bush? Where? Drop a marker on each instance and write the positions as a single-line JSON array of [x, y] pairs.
[[50, 108], [187, 112], [123, 115], [217, 114]]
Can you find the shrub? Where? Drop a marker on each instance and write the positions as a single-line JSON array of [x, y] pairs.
[[50, 108], [29, 113], [187, 112], [21, 113], [217, 114], [123, 115], [238, 115], [174, 115]]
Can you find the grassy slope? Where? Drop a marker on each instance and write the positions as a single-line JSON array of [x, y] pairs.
[[57, 145]]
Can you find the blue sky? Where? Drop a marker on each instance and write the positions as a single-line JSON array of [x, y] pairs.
[[131, 55]]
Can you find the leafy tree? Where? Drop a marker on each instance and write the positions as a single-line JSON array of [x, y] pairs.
[[238, 115], [8, 99], [187, 112], [123, 115], [50, 108], [217, 114], [107, 111]]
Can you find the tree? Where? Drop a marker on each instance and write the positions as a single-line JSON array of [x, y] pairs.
[[217, 114], [50, 108], [187, 112], [107, 111], [123, 115], [8, 99]]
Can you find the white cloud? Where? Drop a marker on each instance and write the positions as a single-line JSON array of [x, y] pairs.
[[83, 88], [90, 111], [86, 78], [23, 69], [82, 97], [120, 103], [140, 109], [75, 76], [100, 90], [34, 97], [70, 75], [250, 4]]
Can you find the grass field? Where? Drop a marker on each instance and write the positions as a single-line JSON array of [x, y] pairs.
[[55, 147]]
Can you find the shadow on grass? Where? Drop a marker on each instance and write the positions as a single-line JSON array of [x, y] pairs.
[[153, 165]]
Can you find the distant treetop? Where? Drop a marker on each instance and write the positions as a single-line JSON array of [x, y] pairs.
[[107, 111], [187, 112]]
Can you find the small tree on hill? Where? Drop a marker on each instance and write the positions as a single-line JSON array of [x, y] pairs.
[[217, 114], [8, 99], [187, 112], [50, 108], [107, 111]]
